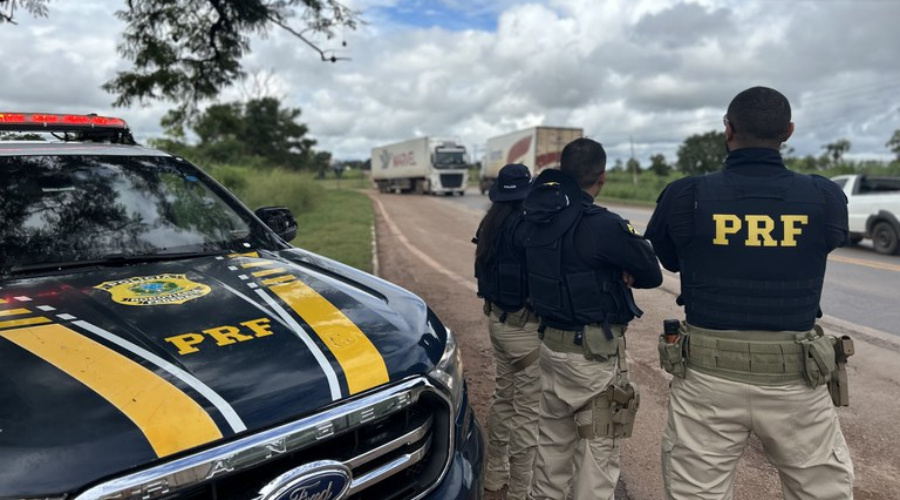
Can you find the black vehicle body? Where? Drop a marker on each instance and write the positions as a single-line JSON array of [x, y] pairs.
[[237, 369]]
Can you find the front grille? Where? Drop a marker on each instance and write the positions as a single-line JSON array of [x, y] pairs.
[[451, 180], [401, 452]]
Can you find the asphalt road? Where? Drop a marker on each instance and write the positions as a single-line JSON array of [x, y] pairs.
[[862, 287], [423, 245]]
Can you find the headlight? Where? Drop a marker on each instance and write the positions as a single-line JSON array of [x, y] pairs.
[[449, 370]]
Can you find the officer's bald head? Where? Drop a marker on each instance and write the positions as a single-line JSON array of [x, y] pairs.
[[760, 115], [584, 160]]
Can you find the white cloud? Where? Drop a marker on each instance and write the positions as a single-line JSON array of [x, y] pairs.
[[652, 71]]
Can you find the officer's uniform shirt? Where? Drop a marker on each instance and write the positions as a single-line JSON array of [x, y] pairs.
[[606, 238], [672, 227]]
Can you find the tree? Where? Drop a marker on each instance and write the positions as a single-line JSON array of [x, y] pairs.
[[633, 165], [702, 153], [894, 144], [837, 149], [36, 8], [259, 128], [186, 51], [659, 166], [787, 152]]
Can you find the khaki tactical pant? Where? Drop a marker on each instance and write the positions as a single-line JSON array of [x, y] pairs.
[[513, 420], [568, 382], [710, 419]]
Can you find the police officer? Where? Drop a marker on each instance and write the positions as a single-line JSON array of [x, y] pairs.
[[751, 242], [500, 270], [582, 260]]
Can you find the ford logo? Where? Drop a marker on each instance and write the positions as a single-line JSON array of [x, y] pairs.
[[322, 480]]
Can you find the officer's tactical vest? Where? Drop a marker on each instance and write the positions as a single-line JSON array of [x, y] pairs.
[[757, 257], [502, 279], [565, 291]]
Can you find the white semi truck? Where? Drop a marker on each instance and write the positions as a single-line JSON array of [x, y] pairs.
[[536, 147], [423, 166]]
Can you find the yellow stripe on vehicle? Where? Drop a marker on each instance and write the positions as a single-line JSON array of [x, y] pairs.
[[363, 365], [2, 301], [14, 312], [278, 279], [256, 263], [268, 272], [248, 254], [169, 418], [13, 323]]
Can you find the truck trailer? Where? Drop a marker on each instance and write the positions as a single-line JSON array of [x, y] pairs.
[[536, 147], [423, 165]]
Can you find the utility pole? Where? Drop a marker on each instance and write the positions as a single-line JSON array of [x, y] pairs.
[[634, 165]]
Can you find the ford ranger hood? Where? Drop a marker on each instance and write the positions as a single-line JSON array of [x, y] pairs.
[[111, 369]]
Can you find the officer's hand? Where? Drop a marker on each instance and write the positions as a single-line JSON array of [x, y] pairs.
[[627, 278]]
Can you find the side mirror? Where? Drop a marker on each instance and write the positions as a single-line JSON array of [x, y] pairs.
[[280, 220]]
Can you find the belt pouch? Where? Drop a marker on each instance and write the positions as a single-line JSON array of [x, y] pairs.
[[518, 318], [597, 346], [671, 355], [818, 358]]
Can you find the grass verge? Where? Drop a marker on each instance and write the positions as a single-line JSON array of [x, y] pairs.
[[334, 219]]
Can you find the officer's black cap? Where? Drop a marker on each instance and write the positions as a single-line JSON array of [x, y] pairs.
[[555, 201], [512, 184]]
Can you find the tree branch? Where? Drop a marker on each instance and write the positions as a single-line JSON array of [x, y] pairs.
[[305, 40]]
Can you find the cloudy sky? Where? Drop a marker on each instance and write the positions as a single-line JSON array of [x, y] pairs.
[[651, 72]]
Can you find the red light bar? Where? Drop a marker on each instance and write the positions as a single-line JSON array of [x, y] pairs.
[[55, 121], [44, 119], [12, 118]]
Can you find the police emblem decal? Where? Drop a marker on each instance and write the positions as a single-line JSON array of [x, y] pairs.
[[322, 480], [154, 290]]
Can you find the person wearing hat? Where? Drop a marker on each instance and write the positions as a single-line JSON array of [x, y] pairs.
[[582, 261], [500, 271]]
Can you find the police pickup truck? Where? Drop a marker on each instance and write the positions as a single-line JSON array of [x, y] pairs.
[[873, 204], [158, 340]]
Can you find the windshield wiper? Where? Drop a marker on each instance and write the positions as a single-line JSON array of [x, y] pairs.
[[108, 261]]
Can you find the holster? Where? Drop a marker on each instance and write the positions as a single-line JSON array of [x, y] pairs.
[[672, 354], [612, 413], [838, 386]]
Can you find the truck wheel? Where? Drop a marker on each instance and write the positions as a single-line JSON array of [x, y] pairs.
[[884, 238]]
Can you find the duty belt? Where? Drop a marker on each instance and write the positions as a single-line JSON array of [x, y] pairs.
[[572, 341], [516, 318], [755, 357]]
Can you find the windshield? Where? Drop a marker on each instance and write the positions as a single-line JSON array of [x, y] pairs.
[[68, 209], [449, 159]]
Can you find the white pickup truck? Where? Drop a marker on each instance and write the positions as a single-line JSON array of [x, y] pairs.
[[874, 206]]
